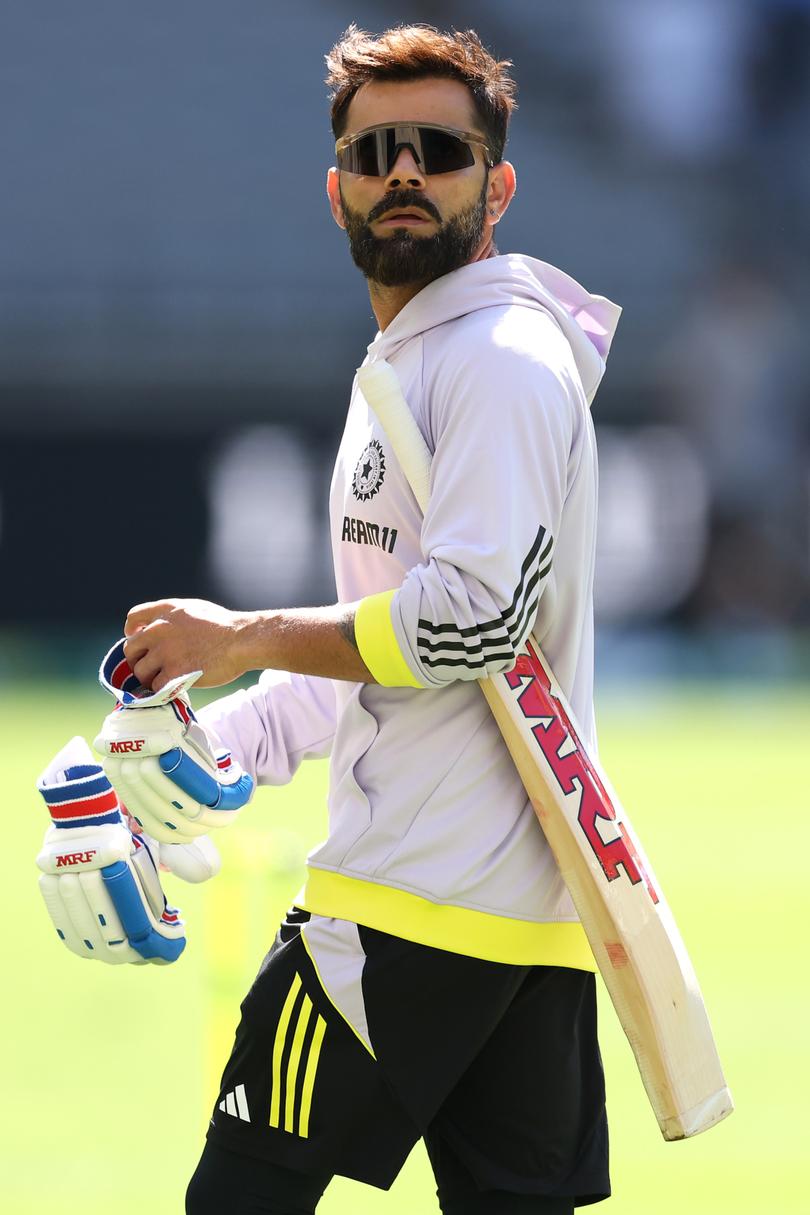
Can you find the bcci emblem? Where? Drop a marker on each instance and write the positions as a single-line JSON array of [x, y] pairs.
[[370, 472]]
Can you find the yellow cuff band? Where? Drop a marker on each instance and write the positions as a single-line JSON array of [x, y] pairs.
[[377, 642]]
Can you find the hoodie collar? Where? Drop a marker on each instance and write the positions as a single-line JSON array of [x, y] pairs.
[[588, 321]]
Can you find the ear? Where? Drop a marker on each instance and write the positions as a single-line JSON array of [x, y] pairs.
[[333, 194], [501, 190]]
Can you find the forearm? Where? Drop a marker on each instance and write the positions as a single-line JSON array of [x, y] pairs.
[[305, 641], [171, 637]]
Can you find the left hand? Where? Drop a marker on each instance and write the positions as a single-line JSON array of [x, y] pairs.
[[169, 637], [100, 882]]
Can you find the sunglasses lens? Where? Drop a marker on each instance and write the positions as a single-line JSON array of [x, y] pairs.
[[436, 151], [361, 156], [443, 152]]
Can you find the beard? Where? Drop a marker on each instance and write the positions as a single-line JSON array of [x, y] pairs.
[[403, 257]]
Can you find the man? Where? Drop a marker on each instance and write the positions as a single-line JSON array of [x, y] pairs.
[[432, 980]]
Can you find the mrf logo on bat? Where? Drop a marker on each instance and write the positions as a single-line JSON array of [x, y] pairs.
[[574, 772]]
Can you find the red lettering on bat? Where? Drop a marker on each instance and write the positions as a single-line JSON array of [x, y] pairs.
[[574, 770], [127, 745], [74, 858]]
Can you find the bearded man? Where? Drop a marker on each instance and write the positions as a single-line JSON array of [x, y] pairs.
[[432, 980]]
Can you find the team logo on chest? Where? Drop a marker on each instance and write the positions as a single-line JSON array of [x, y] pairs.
[[369, 473]]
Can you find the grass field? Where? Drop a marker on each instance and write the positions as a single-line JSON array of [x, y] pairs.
[[109, 1073]]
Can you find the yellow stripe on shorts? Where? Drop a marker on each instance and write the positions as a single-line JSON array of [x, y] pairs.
[[278, 1051], [309, 1076], [294, 1063], [299, 1033]]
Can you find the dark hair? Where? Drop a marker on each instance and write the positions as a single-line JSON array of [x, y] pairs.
[[414, 52]]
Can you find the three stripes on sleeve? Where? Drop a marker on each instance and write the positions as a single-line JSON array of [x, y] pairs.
[[446, 645]]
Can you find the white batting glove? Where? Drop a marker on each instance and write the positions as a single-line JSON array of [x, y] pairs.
[[100, 882], [172, 779]]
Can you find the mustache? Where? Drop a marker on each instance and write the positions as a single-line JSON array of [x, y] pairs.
[[403, 198]]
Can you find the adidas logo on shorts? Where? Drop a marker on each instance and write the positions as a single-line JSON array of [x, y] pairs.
[[235, 1104]]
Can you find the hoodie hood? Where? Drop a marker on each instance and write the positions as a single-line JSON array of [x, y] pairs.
[[587, 321]]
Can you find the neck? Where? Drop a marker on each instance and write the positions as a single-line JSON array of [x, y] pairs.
[[387, 302]]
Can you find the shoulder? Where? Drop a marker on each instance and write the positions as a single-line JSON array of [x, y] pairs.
[[500, 330], [506, 341], [504, 358]]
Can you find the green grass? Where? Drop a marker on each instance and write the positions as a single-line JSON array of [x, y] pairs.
[[109, 1073]]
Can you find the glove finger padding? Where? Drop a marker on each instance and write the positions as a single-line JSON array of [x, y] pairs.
[[100, 883], [194, 862], [161, 762], [84, 916]]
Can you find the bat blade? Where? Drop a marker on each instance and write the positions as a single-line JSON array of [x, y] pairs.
[[630, 928]]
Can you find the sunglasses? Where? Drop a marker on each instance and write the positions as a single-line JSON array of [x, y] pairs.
[[435, 149]]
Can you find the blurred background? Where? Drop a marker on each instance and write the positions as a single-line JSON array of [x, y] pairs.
[[180, 319], [179, 325]]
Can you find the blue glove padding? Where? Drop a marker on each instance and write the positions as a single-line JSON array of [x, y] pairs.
[[143, 936], [194, 780]]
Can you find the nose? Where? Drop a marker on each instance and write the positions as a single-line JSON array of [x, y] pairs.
[[404, 171]]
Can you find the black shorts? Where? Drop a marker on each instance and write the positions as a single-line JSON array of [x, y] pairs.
[[497, 1067]]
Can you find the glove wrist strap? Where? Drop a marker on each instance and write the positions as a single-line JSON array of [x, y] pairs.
[[85, 798]]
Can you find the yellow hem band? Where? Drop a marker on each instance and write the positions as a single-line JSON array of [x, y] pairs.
[[377, 642], [457, 929]]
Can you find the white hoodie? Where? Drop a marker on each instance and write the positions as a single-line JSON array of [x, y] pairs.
[[431, 836]]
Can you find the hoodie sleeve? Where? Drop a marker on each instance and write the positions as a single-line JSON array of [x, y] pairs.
[[275, 724], [501, 419]]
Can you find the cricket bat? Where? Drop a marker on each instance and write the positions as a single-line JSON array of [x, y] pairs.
[[629, 925]]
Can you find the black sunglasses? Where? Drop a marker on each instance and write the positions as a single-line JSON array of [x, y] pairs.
[[435, 149]]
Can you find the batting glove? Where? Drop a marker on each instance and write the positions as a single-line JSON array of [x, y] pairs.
[[100, 882], [169, 774]]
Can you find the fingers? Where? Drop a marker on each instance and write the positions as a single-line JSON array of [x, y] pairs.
[[145, 613], [173, 637], [150, 673], [144, 653]]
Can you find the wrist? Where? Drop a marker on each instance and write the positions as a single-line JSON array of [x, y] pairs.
[[251, 640]]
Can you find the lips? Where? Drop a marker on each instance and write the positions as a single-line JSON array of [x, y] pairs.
[[403, 221], [408, 217]]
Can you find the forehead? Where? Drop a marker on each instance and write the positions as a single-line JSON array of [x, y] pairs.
[[435, 99]]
